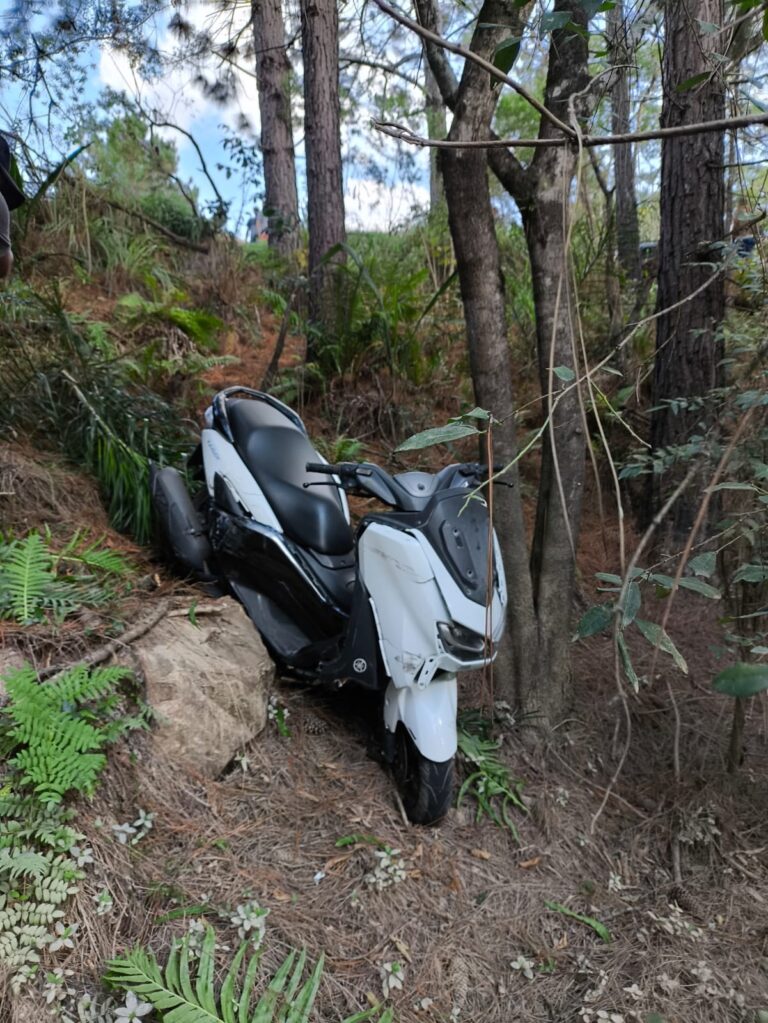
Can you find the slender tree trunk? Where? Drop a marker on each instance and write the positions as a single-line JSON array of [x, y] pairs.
[[688, 345], [325, 195], [558, 512], [625, 196], [273, 75], [437, 128]]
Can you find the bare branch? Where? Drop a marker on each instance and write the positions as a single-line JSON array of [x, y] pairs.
[[404, 134], [441, 70]]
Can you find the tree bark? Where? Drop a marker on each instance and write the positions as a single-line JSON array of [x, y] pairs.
[[689, 348], [273, 74], [437, 128], [625, 195], [325, 195], [534, 663]]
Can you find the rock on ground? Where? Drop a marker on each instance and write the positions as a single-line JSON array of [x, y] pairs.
[[208, 682]]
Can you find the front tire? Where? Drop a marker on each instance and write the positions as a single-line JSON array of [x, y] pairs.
[[425, 786]]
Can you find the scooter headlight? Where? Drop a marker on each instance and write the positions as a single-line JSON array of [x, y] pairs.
[[461, 642]]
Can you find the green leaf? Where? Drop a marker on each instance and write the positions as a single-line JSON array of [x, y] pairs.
[[657, 637], [552, 21], [438, 435], [704, 564], [476, 413], [626, 661], [742, 680], [506, 53], [589, 921], [632, 601], [700, 587], [564, 373], [751, 574], [595, 620], [693, 81], [609, 577]]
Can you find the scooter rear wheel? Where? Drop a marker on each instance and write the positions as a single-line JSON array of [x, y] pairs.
[[425, 786]]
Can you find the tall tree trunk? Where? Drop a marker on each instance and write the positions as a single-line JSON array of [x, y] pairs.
[[688, 347], [534, 662], [273, 75], [325, 195], [437, 128], [546, 217], [627, 224]]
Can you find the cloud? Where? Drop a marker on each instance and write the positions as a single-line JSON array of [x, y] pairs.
[[177, 96], [381, 206]]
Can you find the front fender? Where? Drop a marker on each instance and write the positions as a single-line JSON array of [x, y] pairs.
[[429, 714]]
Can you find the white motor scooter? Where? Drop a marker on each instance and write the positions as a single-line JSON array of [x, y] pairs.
[[402, 604]]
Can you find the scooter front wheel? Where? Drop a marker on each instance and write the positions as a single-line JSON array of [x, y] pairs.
[[425, 786]]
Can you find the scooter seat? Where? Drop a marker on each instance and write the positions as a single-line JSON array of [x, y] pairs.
[[276, 452]]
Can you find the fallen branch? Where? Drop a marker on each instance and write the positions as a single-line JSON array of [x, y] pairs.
[[103, 653]]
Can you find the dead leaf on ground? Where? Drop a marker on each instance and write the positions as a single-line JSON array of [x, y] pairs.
[[480, 854], [527, 864]]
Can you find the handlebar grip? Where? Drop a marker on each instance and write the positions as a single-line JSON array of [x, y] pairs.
[[329, 470]]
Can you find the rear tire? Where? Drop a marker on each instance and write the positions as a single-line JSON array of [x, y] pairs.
[[425, 786]]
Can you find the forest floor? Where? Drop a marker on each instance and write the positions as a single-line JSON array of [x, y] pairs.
[[635, 887], [673, 868]]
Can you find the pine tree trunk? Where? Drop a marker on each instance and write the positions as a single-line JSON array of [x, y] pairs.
[[625, 196], [688, 347], [273, 75], [325, 196], [437, 128]]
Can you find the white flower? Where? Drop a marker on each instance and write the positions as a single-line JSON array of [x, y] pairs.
[[524, 965], [123, 832], [391, 977], [132, 1009], [104, 902], [669, 985], [634, 992], [250, 920], [62, 936], [82, 857]]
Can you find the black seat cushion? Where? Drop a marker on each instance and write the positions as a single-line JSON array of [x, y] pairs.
[[276, 452]]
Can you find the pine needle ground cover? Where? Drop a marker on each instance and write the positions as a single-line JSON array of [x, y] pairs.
[[300, 846]]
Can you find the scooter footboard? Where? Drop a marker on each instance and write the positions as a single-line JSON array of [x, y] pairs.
[[429, 714]]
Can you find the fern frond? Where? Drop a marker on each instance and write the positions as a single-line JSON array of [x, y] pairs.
[[93, 555], [185, 992], [27, 574]]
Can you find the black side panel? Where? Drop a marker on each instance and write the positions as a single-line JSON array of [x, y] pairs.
[[283, 637], [180, 524], [359, 658], [254, 559]]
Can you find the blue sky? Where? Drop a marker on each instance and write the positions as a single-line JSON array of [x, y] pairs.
[[377, 200]]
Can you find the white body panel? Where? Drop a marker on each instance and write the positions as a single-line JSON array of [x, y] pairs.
[[428, 714], [411, 591]]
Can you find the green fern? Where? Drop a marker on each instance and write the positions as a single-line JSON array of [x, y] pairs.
[[185, 991], [90, 555], [60, 750], [26, 576]]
